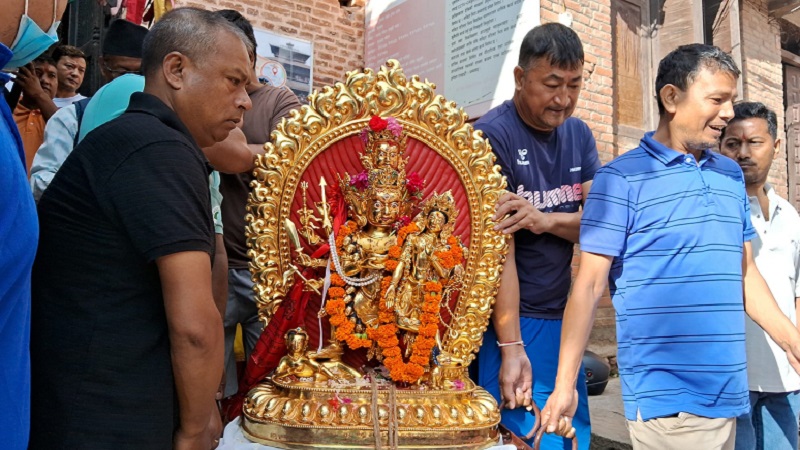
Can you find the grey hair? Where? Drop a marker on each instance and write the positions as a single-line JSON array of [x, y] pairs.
[[192, 32]]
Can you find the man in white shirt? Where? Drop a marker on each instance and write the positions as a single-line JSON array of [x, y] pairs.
[[751, 140], [121, 54], [71, 68]]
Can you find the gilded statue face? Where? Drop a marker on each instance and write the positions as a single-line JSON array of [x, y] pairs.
[[435, 221], [297, 343], [385, 209], [386, 154]]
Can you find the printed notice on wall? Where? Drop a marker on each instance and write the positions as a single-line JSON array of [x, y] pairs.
[[468, 48]]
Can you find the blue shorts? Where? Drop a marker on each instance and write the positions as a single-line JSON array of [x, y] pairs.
[[542, 341]]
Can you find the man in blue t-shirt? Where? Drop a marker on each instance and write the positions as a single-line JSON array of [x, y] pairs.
[[667, 225], [549, 160]]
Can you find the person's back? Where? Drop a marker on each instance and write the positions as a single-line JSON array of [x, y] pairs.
[[99, 300]]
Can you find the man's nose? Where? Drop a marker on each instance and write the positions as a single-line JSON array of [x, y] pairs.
[[744, 151], [726, 113], [244, 102]]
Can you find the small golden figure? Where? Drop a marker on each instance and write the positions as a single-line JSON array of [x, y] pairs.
[[297, 363], [426, 256]]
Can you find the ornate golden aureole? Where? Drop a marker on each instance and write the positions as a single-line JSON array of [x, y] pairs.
[[333, 396]]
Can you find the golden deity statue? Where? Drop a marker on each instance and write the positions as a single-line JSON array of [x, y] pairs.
[[383, 302], [430, 254]]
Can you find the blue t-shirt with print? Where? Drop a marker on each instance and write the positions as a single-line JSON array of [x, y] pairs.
[[547, 169]]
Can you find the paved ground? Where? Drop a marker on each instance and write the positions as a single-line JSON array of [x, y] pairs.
[[608, 419]]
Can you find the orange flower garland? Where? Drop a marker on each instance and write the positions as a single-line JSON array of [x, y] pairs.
[[452, 257], [335, 306], [386, 334]]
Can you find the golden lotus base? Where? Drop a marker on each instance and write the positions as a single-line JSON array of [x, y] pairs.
[[298, 416]]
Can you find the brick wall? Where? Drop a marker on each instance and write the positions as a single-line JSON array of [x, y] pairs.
[[763, 74], [592, 22], [337, 33]]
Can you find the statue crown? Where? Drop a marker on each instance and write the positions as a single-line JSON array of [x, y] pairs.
[[444, 203]]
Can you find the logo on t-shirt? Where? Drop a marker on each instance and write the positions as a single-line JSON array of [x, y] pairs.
[[575, 169], [522, 161], [542, 200]]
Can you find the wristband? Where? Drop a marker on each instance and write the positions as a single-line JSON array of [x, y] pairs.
[[506, 344]]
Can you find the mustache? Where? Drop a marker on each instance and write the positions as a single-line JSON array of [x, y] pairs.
[[746, 162]]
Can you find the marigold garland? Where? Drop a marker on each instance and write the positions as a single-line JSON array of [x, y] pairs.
[[385, 335], [335, 306], [452, 257]]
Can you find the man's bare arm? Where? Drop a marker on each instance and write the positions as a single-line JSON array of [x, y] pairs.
[[589, 286], [232, 155], [196, 344], [760, 305], [516, 376]]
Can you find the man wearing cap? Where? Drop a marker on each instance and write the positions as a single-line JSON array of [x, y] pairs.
[[121, 54]]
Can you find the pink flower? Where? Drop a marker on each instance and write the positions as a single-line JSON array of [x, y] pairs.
[[360, 181], [414, 183], [458, 384], [347, 400], [364, 136], [377, 124], [394, 127]]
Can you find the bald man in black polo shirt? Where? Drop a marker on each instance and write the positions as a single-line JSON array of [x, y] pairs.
[[127, 346]]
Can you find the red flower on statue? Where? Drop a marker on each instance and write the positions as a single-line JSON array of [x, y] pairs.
[[377, 124], [414, 183]]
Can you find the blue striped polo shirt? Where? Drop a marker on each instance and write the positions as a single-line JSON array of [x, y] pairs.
[[676, 231]]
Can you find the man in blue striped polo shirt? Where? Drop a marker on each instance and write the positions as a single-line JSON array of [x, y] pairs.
[[667, 225]]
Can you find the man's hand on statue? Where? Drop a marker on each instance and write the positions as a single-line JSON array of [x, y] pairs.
[[558, 412], [515, 378], [520, 214]]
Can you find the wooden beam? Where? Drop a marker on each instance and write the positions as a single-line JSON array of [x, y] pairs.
[[780, 8], [790, 58]]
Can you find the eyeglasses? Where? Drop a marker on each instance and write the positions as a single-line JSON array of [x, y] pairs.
[[120, 72]]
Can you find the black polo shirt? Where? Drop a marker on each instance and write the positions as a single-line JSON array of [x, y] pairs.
[[134, 190]]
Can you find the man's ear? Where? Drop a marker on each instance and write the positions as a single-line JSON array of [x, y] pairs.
[[519, 72], [670, 96], [776, 149], [173, 67]]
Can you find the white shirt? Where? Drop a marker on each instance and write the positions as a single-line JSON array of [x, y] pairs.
[[66, 101], [777, 256], [59, 137]]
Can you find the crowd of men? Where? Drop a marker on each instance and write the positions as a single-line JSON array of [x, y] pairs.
[[120, 296]]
